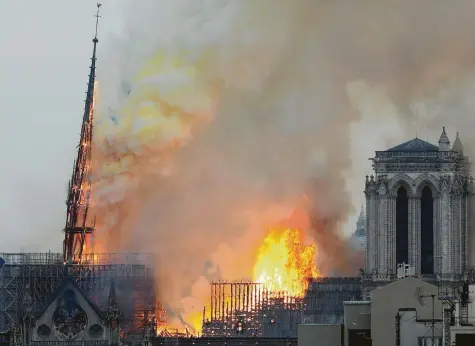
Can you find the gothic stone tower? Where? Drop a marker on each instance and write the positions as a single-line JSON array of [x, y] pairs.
[[418, 207]]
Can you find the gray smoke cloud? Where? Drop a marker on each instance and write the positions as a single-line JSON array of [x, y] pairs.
[[306, 90]]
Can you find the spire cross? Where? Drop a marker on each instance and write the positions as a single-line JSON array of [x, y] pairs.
[[97, 18]]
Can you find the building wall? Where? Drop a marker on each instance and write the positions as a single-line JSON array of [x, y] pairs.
[[466, 324], [412, 329], [319, 334], [357, 317], [451, 228], [470, 318], [471, 230], [465, 332], [387, 300], [47, 317]]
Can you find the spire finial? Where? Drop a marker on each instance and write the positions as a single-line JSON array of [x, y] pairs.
[[444, 142], [97, 20]]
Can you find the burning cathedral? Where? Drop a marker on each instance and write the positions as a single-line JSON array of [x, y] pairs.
[[417, 223], [419, 214]]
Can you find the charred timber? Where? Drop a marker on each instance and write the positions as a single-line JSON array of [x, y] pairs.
[[249, 309]]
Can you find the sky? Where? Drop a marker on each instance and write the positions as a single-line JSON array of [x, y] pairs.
[[46, 50], [44, 65]]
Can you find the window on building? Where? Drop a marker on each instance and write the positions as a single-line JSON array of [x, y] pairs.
[[402, 226], [427, 231]]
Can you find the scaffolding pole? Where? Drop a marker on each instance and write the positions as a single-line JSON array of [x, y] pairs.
[[250, 309]]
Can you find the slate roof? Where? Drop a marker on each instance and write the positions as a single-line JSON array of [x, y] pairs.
[[414, 145], [60, 289]]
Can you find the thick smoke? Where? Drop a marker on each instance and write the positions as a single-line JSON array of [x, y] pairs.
[[256, 98]]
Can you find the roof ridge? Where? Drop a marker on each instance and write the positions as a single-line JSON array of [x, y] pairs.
[[414, 145]]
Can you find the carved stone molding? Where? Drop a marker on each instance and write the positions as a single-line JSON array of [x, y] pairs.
[[401, 180], [426, 180]]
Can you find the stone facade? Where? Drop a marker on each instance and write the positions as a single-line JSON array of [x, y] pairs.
[[416, 186], [70, 318]]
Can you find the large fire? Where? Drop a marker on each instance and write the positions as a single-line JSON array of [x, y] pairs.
[[284, 262]]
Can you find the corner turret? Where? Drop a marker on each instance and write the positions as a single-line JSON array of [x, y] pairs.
[[359, 236], [444, 142], [360, 224], [457, 146]]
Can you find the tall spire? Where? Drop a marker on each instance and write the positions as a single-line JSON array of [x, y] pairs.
[[360, 224], [362, 217], [113, 316], [80, 226]]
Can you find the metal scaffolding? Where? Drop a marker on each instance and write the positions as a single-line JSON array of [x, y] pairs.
[[325, 296], [39, 274], [220, 341], [453, 290], [249, 309]]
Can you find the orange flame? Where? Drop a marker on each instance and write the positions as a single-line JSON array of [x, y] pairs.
[[284, 263]]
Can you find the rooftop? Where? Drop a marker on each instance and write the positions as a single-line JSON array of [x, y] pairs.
[[414, 145]]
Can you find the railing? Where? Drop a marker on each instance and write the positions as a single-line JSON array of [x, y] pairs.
[[32, 258], [450, 277], [118, 258], [434, 154], [378, 277], [48, 258], [69, 343], [464, 321], [391, 277], [335, 280]]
